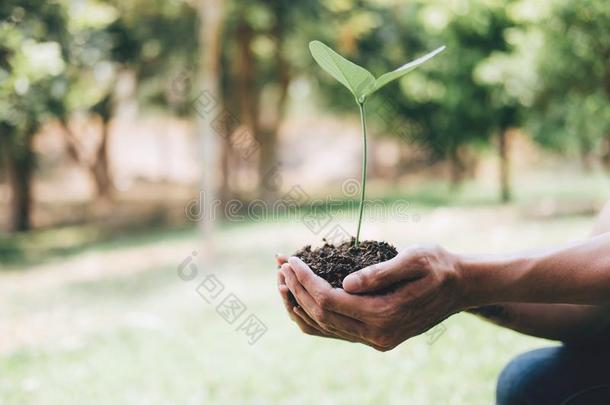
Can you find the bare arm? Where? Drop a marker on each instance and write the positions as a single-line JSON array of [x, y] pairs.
[[576, 274], [564, 322]]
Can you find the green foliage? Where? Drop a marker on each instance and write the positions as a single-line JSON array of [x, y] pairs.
[[362, 84], [470, 110], [32, 48], [544, 62], [407, 67], [446, 106], [60, 57], [356, 78], [572, 105]]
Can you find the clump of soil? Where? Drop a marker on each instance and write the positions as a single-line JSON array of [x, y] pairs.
[[334, 262]]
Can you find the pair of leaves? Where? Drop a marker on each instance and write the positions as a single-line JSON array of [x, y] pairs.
[[356, 78]]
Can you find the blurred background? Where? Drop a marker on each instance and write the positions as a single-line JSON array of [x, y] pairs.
[[154, 155]]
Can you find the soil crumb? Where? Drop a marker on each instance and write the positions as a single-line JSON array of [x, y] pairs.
[[334, 263]]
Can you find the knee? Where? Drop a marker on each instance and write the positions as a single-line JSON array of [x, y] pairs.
[[524, 378]]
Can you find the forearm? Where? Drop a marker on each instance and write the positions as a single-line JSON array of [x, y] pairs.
[[573, 324], [576, 274]]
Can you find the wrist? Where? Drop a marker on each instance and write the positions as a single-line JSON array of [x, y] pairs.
[[487, 280]]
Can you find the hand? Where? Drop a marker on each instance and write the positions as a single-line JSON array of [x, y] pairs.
[[296, 314], [425, 284]]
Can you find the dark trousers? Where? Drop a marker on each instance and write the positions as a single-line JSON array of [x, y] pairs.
[[560, 375]]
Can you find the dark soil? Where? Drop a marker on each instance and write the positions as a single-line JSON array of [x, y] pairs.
[[334, 263]]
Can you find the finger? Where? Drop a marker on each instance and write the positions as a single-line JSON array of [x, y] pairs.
[[328, 320], [303, 315], [406, 266], [281, 280], [305, 318], [310, 327], [287, 298], [352, 339], [327, 331], [305, 323], [283, 289], [280, 259], [329, 298], [315, 329], [291, 299]]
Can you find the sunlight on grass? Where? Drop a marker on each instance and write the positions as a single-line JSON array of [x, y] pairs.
[[110, 322], [136, 333]]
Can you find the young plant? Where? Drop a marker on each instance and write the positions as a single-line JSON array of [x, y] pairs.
[[362, 84]]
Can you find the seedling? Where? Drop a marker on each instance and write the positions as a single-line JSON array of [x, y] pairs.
[[362, 85], [333, 262]]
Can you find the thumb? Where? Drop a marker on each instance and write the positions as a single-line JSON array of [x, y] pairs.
[[383, 274], [280, 259]]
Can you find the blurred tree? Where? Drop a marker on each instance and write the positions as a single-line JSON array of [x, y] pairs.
[[32, 51], [90, 75], [211, 19], [114, 40], [259, 64], [443, 106], [573, 92], [453, 106], [509, 76], [62, 59]]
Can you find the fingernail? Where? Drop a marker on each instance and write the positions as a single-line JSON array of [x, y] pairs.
[[295, 260], [352, 282], [279, 258]]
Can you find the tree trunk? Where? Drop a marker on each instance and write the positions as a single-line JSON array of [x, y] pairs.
[[211, 18], [588, 160], [100, 168], [239, 96], [267, 165], [504, 152], [246, 78], [19, 163], [456, 169], [605, 158], [587, 155], [225, 192], [268, 137]]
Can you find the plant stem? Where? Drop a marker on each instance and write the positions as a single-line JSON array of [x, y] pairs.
[[363, 182]]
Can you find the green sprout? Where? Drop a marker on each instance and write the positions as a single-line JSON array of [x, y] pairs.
[[362, 84]]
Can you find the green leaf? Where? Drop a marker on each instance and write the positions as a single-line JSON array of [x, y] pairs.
[[401, 71], [356, 78]]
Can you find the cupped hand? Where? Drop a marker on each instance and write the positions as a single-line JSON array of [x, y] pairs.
[[425, 288], [296, 313]]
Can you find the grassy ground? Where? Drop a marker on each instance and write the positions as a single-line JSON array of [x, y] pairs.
[[113, 323], [105, 319]]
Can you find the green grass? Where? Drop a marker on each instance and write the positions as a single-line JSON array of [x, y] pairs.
[[103, 318], [112, 322], [39, 246]]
